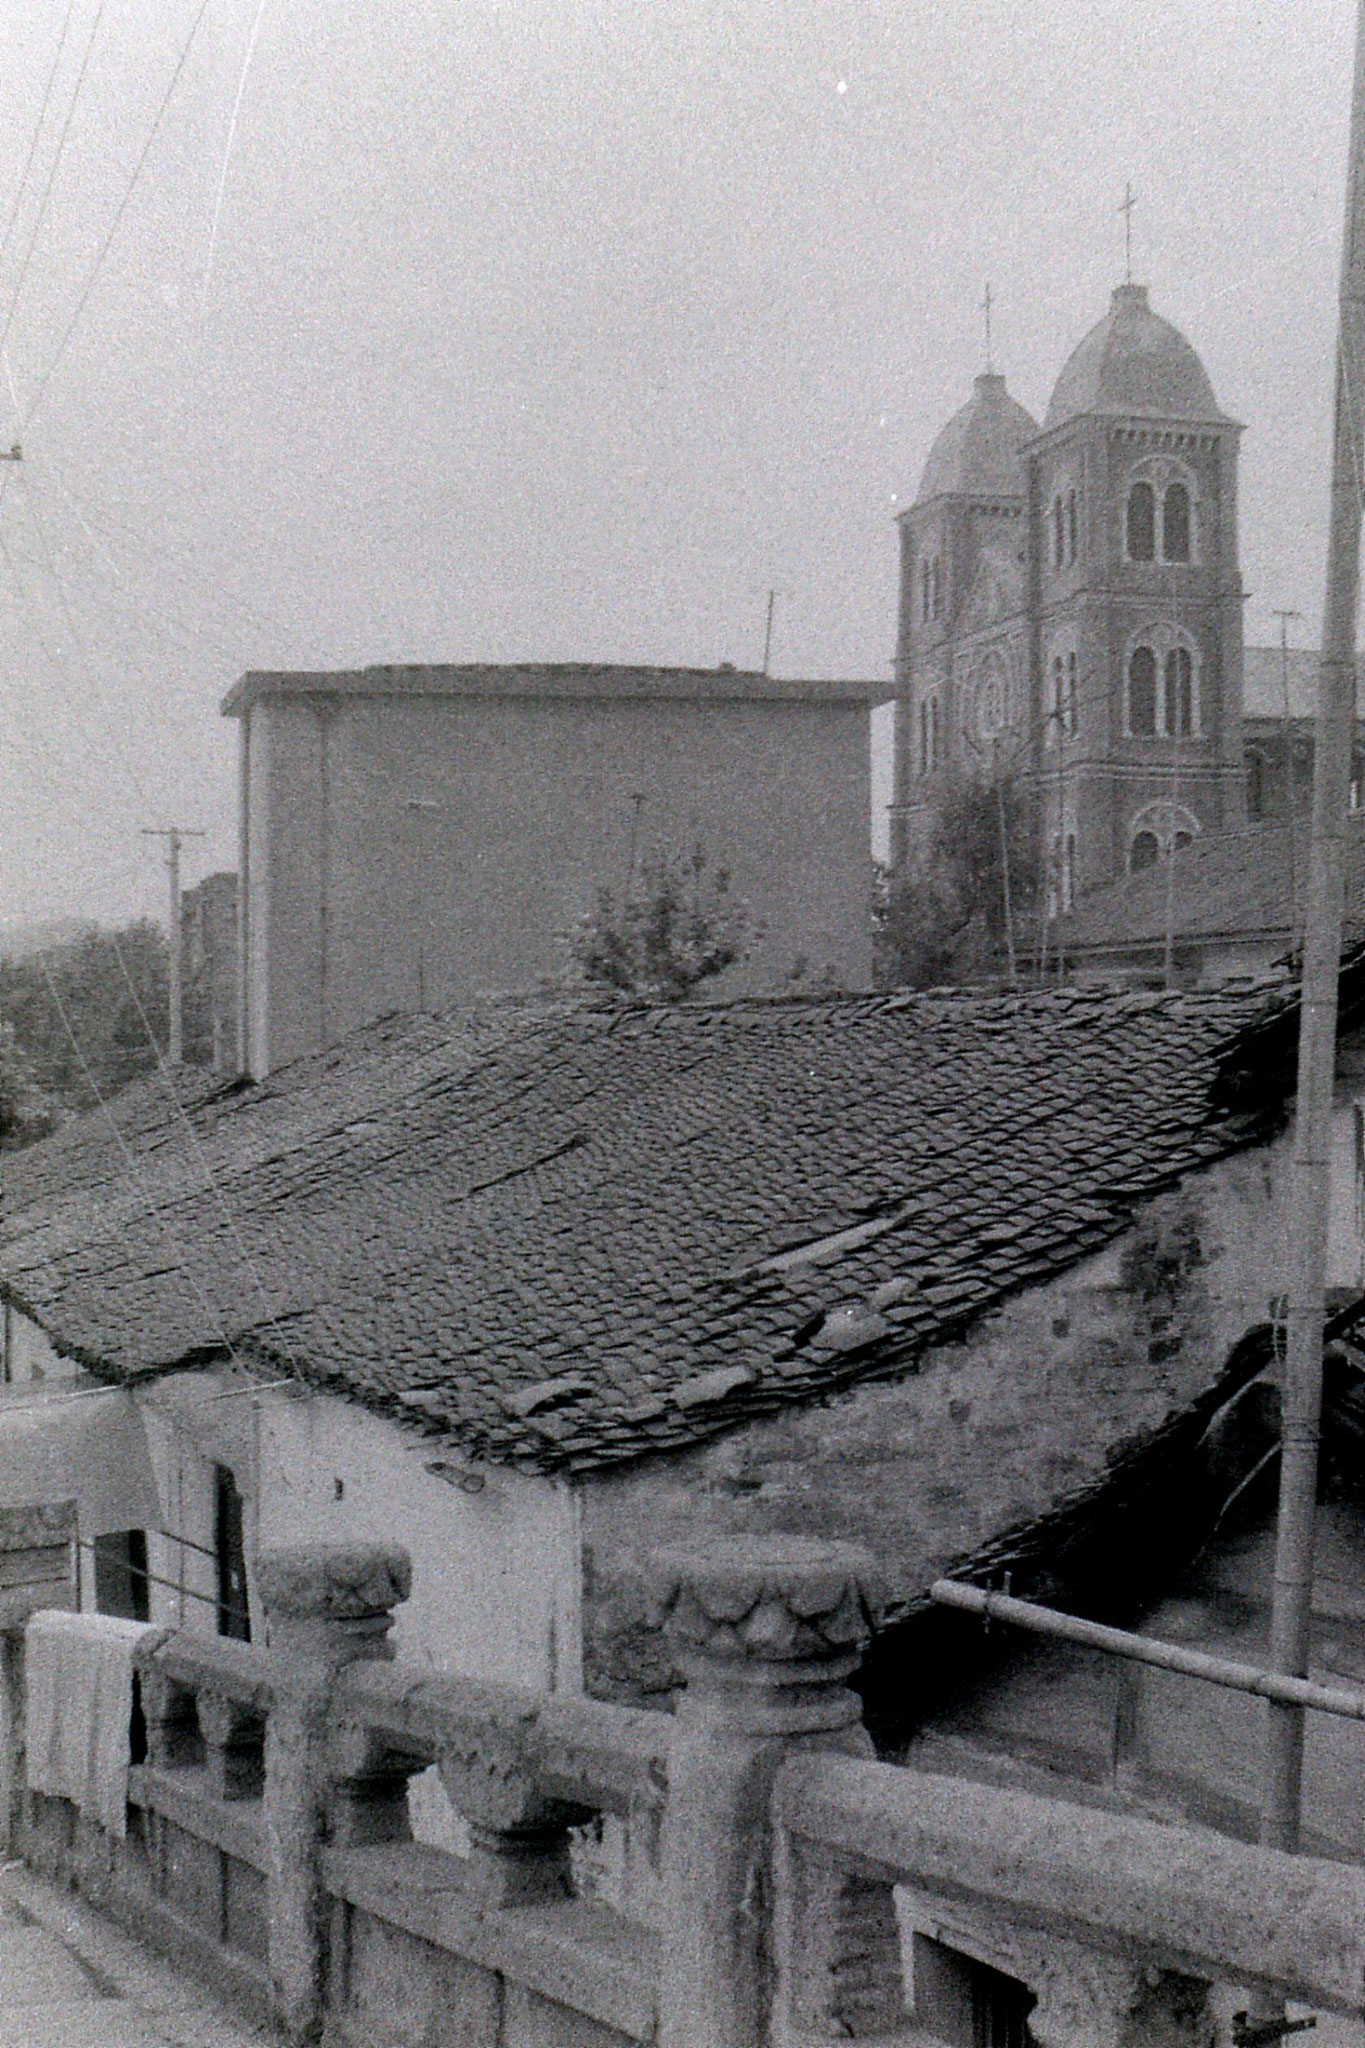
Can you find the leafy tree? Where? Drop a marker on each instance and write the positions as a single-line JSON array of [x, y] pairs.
[[944, 918], [88, 1017], [25, 1112], [678, 927]]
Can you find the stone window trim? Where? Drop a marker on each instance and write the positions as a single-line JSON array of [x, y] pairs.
[[1063, 524], [1161, 514], [990, 700], [1161, 684], [930, 734], [930, 587], [1156, 829], [1061, 718]]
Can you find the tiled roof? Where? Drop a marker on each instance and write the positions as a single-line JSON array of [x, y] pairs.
[[568, 1236], [1228, 885]]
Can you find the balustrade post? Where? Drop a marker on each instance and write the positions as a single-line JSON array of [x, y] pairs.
[[766, 1631], [325, 1608]]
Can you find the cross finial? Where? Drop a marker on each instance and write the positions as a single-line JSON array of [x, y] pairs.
[[986, 309], [1126, 209]]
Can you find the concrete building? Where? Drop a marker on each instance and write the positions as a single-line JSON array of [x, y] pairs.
[[209, 952], [1071, 607], [414, 837]]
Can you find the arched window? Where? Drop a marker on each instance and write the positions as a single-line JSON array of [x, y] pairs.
[[1069, 872], [1175, 524], [1257, 779], [1141, 523], [1070, 717], [935, 587], [1142, 693], [924, 589], [1058, 532], [1179, 705], [1143, 853], [933, 732], [1071, 549]]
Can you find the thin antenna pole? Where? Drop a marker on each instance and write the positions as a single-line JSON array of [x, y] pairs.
[[1287, 750], [1309, 1184], [990, 353], [768, 630], [1005, 865], [175, 837]]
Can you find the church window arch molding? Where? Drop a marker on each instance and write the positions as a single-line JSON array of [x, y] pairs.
[[1064, 523], [1160, 513], [1158, 829], [930, 585], [1062, 711], [1161, 684]]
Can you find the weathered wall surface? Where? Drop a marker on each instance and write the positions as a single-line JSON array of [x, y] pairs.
[[1028, 1415], [407, 853]]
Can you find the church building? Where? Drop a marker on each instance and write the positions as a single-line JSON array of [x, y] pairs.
[[1071, 608]]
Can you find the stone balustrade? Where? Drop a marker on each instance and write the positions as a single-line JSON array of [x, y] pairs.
[[270, 1840]]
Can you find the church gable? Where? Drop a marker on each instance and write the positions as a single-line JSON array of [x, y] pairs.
[[996, 592]]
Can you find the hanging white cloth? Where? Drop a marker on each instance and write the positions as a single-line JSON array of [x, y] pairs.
[[78, 1686]]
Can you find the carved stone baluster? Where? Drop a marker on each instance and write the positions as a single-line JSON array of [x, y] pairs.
[[369, 1788], [519, 1839], [172, 1718], [325, 1608], [233, 1741], [765, 1631]]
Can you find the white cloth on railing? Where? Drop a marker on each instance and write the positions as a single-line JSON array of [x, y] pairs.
[[78, 1687]]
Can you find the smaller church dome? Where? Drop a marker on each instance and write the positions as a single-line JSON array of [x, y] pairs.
[[978, 453], [1133, 362]]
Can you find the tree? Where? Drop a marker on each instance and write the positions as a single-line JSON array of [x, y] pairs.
[[26, 1113], [680, 926], [90, 1016], [950, 916]]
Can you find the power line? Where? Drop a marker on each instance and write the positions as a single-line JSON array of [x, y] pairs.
[[22, 186], [52, 170], [121, 209]]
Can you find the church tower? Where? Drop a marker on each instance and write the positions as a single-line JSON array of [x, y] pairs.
[[1136, 595], [1071, 608]]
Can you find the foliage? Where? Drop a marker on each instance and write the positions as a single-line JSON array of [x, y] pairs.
[[676, 928], [87, 1018], [943, 919], [26, 1113]]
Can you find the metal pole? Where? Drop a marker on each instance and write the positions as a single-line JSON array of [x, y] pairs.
[[177, 1027], [1004, 863], [768, 630], [1288, 749], [1309, 1173]]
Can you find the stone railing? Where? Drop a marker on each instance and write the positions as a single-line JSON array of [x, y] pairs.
[[269, 1837]]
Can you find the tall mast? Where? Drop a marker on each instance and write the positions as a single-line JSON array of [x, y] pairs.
[[1309, 1169]]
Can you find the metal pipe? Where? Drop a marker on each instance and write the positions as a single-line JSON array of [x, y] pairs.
[[1072, 1628], [1309, 1166]]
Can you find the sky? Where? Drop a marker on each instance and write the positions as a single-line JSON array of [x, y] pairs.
[[567, 329]]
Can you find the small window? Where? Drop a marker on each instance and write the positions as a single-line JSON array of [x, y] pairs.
[[1069, 872], [121, 1582], [1071, 546], [1142, 693], [1071, 718], [234, 1617], [1256, 783], [1179, 705], [935, 587], [1144, 852], [1175, 524], [1058, 532], [1141, 523]]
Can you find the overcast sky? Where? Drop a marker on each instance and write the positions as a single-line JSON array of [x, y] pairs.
[[564, 331]]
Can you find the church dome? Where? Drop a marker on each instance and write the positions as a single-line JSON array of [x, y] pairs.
[[978, 453], [1133, 362]]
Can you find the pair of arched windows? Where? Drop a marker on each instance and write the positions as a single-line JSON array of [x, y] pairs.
[[1159, 829], [1063, 720], [1162, 703], [931, 586], [1159, 522], [928, 735], [1065, 529]]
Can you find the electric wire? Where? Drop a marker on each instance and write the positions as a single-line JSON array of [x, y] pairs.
[[51, 180], [34, 139], [227, 159], [129, 189]]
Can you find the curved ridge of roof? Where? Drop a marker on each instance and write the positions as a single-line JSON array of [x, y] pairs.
[[1133, 361], [979, 454]]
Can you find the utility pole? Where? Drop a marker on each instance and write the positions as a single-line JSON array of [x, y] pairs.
[[1309, 1185], [768, 630], [1284, 616], [175, 837]]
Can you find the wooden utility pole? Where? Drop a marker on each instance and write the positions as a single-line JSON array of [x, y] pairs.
[[1284, 616], [174, 836], [1309, 1184]]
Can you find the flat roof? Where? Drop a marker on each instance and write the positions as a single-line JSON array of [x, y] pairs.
[[565, 680]]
